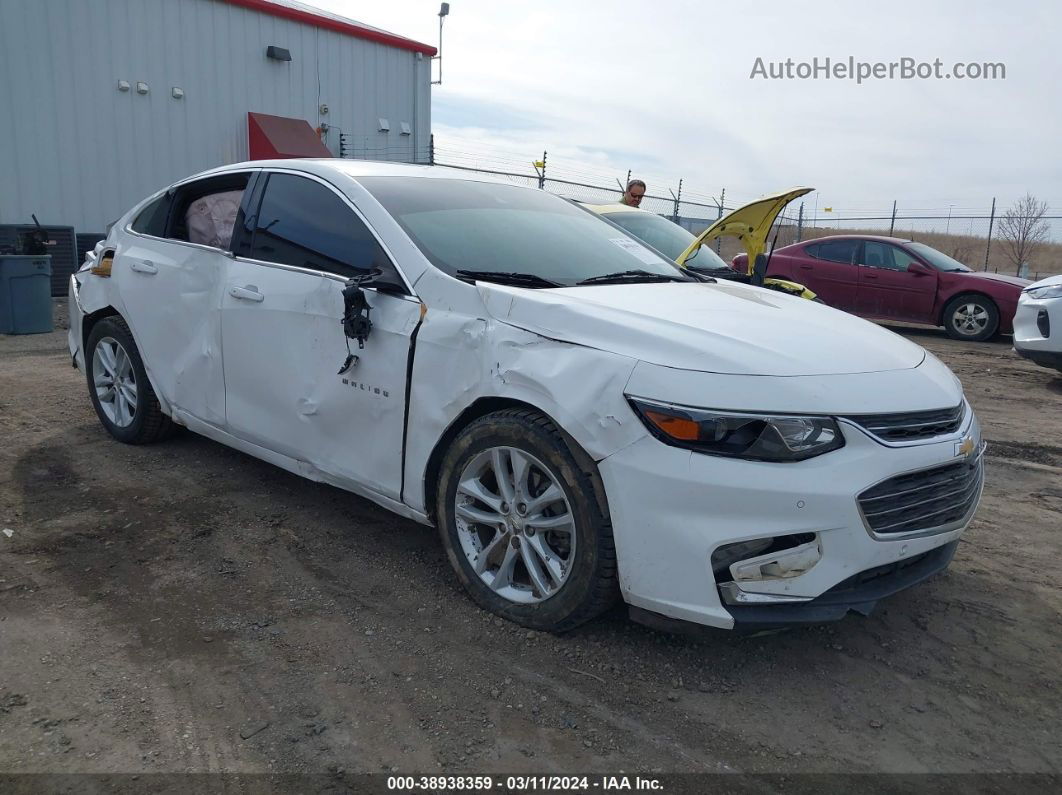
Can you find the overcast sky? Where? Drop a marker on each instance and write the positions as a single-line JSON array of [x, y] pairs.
[[663, 88]]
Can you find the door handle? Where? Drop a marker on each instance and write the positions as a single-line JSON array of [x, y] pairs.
[[248, 293], [870, 275], [150, 268], [806, 267]]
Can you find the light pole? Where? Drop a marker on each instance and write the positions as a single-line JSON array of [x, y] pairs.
[[947, 227], [444, 11]]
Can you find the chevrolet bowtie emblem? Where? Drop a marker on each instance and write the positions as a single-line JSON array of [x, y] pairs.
[[965, 448]]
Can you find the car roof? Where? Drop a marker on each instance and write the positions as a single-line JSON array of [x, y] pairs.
[[881, 238], [613, 207], [324, 166]]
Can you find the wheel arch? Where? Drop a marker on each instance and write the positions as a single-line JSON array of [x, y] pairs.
[[946, 301], [481, 407], [89, 322]]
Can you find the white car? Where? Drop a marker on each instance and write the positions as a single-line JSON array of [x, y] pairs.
[[1038, 323], [580, 419]]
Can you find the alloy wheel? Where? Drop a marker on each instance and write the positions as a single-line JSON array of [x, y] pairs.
[[515, 524], [970, 319], [115, 381]]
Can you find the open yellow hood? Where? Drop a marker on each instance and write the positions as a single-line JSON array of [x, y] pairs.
[[750, 224]]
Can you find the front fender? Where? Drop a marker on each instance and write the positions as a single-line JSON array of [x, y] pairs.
[[461, 359]]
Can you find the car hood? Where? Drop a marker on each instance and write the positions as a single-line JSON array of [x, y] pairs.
[[1048, 281], [1000, 278], [719, 328], [750, 224]]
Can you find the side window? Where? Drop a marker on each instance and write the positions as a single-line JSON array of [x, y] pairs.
[[152, 219], [205, 211], [877, 255], [838, 251], [812, 250], [303, 223], [901, 259]]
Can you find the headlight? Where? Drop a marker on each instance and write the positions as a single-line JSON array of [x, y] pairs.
[[758, 437], [1047, 291]]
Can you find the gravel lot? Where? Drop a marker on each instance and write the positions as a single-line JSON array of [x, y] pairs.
[[184, 607]]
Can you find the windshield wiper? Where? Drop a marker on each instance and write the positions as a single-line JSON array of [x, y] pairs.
[[507, 277], [637, 275], [702, 274]]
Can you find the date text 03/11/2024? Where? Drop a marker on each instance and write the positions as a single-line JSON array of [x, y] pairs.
[[520, 783]]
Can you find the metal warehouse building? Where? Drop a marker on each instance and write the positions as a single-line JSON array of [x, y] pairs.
[[104, 102]]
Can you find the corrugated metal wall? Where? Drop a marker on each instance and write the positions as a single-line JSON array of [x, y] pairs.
[[77, 151]]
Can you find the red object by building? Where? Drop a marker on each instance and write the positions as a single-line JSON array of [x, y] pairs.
[[273, 137]]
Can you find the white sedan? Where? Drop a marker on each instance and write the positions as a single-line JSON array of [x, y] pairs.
[[1038, 323], [581, 420]]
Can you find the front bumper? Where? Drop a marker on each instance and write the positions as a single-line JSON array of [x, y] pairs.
[[1038, 330], [77, 316], [671, 509]]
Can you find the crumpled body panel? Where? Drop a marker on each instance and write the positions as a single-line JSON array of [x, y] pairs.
[[713, 328], [462, 357]]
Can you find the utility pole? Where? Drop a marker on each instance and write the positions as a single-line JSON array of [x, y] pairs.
[[800, 223], [678, 200], [444, 11], [431, 149], [722, 201], [892, 223], [991, 221], [542, 172]]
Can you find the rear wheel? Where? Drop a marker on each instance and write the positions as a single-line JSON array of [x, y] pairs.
[[971, 317], [521, 525], [119, 388]]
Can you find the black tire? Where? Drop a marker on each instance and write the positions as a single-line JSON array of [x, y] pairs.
[[958, 328], [148, 423], [591, 586]]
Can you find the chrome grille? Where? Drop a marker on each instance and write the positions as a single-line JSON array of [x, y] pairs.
[[923, 500], [911, 426]]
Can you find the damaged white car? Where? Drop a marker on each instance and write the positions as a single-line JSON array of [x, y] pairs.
[[579, 418]]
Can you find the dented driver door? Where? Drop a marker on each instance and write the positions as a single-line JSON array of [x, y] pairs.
[[283, 341]]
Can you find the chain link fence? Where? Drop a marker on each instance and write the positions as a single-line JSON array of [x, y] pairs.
[[968, 236]]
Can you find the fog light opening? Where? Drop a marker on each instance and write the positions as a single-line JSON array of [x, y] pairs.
[[772, 558]]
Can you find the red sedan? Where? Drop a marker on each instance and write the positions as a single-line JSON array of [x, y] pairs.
[[894, 279]]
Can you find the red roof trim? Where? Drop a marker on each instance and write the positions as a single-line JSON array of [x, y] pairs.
[[350, 29]]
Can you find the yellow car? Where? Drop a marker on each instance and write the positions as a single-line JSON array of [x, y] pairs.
[[750, 224]]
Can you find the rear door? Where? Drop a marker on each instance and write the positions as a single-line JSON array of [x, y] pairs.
[[171, 288], [890, 288], [284, 344], [829, 269]]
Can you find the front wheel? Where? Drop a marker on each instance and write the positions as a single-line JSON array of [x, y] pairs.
[[971, 317], [521, 525]]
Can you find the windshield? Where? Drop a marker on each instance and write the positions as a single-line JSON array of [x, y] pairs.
[[666, 237], [482, 227], [937, 259]]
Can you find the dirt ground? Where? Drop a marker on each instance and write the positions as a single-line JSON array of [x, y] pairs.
[[186, 608]]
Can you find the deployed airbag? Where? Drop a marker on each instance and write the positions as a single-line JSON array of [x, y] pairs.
[[210, 219]]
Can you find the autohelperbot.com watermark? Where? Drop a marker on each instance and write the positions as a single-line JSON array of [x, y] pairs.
[[850, 68]]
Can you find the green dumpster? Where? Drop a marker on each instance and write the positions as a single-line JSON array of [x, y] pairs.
[[25, 294]]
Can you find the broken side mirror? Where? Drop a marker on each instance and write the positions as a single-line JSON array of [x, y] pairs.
[[381, 281], [356, 322], [356, 309]]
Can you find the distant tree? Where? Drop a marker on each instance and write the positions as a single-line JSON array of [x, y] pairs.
[[961, 251], [1022, 229]]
